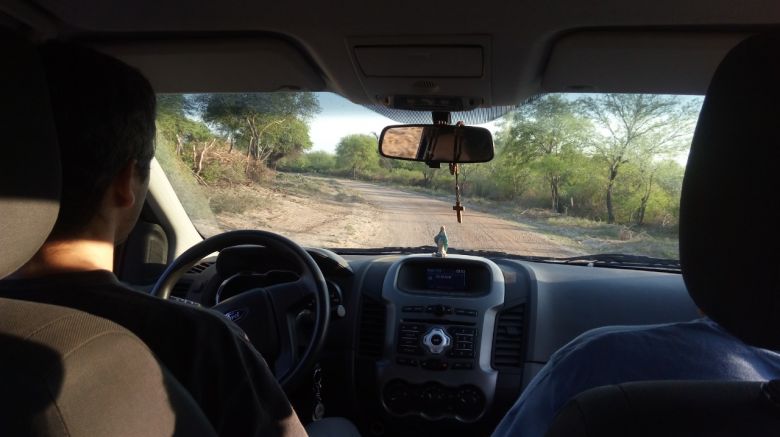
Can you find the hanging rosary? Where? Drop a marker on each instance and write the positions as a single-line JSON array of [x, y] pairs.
[[458, 208]]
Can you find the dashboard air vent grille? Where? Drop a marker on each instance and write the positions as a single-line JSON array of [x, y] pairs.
[[197, 268], [372, 328], [181, 288], [509, 340]]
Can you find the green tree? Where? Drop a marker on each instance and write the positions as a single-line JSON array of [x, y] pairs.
[[173, 121], [357, 154], [192, 138], [268, 126], [290, 139], [637, 128], [668, 182], [543, 136], [320, 161]]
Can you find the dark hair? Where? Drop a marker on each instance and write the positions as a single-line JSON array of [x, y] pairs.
[[104, 111]]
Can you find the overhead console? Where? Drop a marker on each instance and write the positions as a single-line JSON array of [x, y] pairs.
[[435, 73], [441, 314]]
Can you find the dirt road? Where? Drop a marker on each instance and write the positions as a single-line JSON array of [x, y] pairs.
[[409, 219], [377, 216]]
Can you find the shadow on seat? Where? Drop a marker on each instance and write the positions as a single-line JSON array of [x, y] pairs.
[[68, 373]]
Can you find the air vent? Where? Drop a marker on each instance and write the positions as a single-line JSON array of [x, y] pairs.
[[181, 288], [509, 340], [372, 328], [197, 268]]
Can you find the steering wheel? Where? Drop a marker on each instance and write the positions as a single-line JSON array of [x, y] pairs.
[[267, 315]]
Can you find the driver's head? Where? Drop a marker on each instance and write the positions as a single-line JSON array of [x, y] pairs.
[[104, 111]]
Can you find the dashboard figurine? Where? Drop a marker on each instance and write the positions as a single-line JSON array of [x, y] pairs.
[[441, 243]]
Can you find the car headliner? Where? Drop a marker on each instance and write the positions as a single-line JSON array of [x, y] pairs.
[[525, 47]]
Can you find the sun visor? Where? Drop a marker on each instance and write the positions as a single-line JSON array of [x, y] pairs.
[[424, 73], [658, 62], [220, 65]]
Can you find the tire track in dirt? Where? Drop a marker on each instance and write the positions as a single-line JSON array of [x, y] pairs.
[[410, 219], [382, 216]]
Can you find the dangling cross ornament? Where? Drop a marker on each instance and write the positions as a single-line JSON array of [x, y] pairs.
[[458, 208]]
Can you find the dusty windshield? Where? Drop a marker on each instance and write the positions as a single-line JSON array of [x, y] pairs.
[[573, 174]]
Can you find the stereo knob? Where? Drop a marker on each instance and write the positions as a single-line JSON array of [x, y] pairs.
[[437, 340]]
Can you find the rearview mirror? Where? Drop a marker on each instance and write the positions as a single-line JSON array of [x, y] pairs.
[[434, 143]]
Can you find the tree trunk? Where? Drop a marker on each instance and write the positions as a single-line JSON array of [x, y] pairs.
[[610, 185], [179, 144], [640, 219], [194, 156], [197, 157], [555, 198], [254, 137]]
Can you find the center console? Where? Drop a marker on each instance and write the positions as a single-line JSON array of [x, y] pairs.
[[437, 353]]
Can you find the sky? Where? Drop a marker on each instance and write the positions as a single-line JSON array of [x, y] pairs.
[[340, 117]]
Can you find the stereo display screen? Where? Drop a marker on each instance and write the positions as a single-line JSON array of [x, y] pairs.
[[445, 279]]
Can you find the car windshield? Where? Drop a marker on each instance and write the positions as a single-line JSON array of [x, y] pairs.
[[573, 174]]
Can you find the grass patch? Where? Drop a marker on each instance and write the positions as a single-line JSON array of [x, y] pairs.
[[311, 186], [233, 202], [598, 237], [576, 233], [191, 194]]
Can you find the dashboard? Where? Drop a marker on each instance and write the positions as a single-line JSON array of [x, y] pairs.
[[427, 345]]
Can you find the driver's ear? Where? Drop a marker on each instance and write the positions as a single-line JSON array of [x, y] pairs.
[[122, 192]]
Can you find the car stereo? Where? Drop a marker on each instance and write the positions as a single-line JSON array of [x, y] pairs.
[[437, 355]]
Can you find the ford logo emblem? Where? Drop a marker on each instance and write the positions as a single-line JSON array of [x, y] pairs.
[[235, 315]]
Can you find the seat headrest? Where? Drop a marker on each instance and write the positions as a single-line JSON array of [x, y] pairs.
[[729, 211], [29, 156]]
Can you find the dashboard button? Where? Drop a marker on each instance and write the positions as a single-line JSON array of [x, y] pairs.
[[458, 353], [406, 361], [465, 312], [438, 310], [437, 340], [409, 350], [411, 327], [462, 366], [434, 364]]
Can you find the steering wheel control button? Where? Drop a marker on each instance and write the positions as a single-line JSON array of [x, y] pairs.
[[437, 340]]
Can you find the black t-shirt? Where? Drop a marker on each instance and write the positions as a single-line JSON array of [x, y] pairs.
[[206, 353]]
